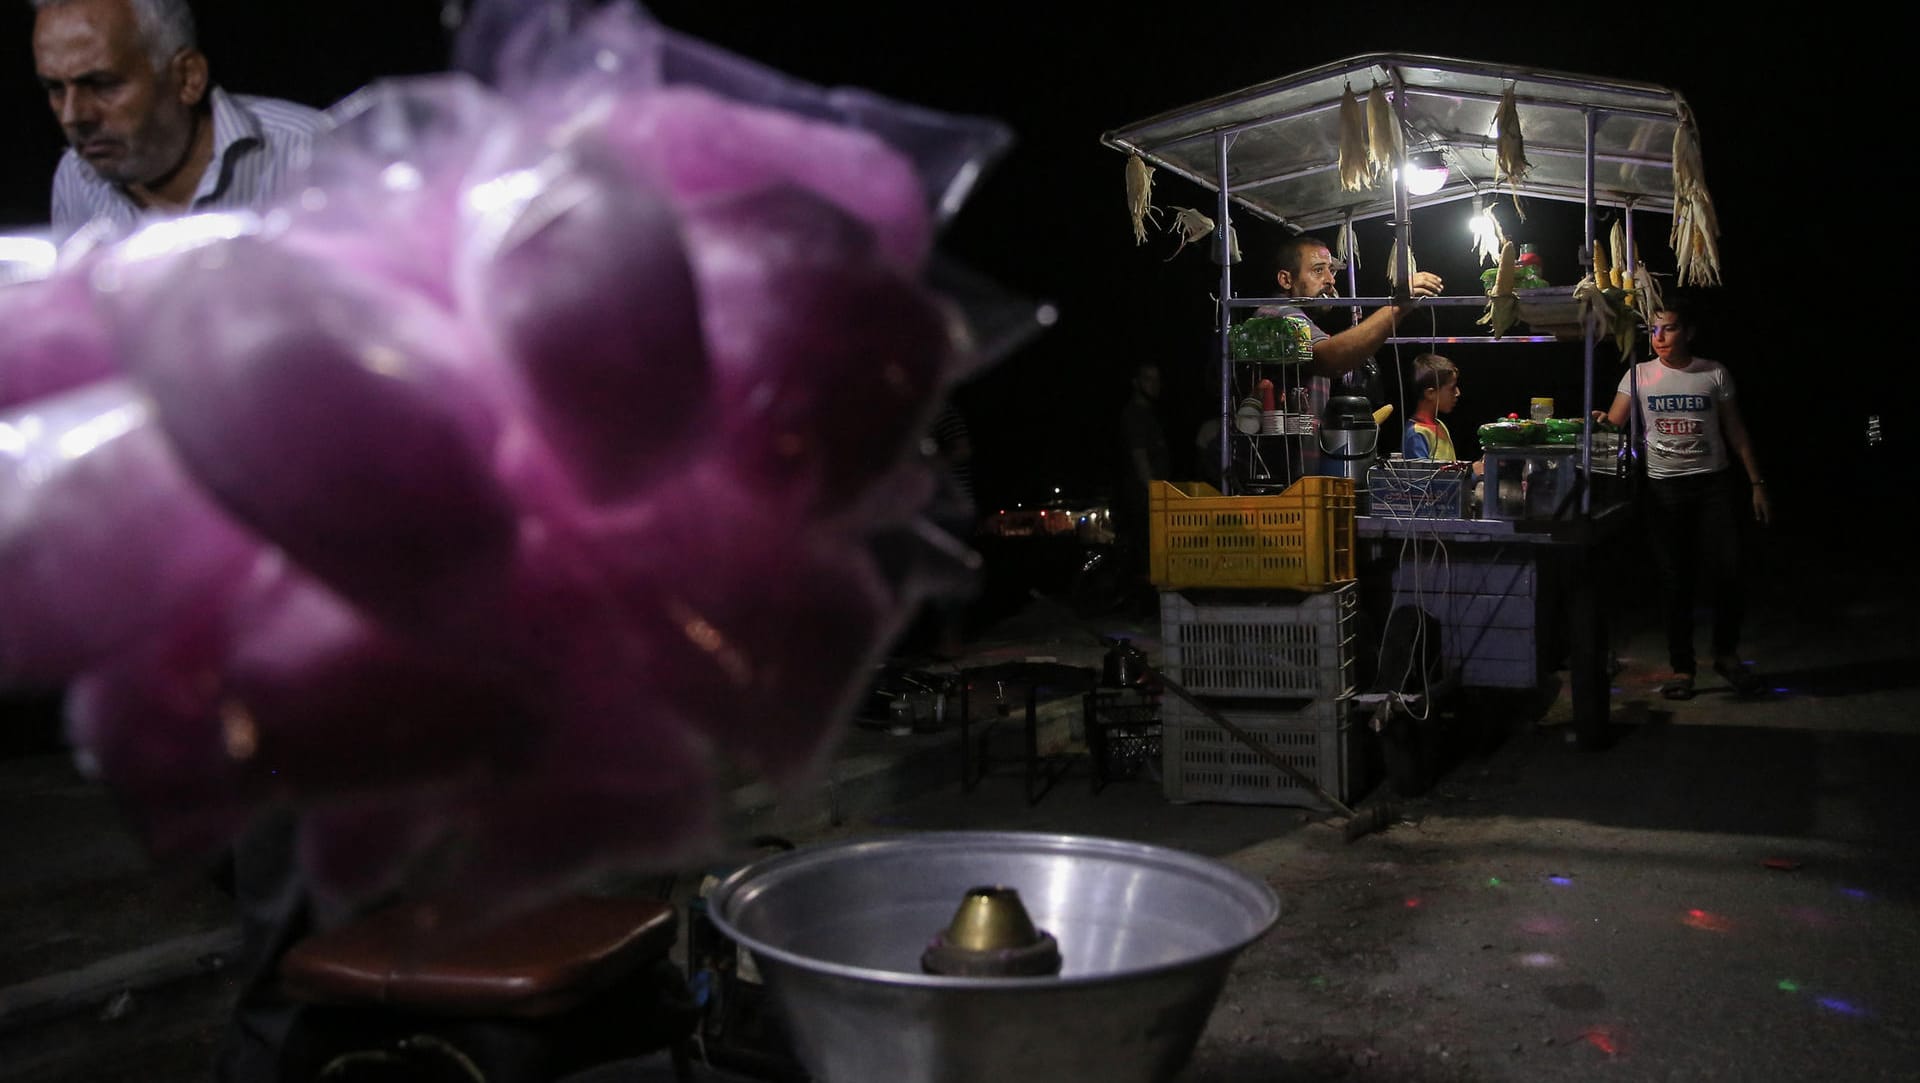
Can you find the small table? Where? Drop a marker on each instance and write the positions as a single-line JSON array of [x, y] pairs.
[[1042, 772]]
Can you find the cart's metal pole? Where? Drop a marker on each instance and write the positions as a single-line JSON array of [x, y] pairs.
[[1222, 216], [1353, 263], [1633, 369], [1586, 384], [1402, 228]]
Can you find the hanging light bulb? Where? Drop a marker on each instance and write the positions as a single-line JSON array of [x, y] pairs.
[[1426, 172]]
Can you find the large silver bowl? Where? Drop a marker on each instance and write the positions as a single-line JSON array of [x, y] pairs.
[[1147, 935]]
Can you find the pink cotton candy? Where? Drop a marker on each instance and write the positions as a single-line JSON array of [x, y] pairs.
[[50, 339], [383, 194], [613, 781], [103, 538], [147, 722], [537, 463], [347, 422], [706, 147], [757, 636], [585, 288], [828, 360], [334, 705]]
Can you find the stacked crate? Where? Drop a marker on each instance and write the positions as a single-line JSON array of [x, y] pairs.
[[1277, 664]]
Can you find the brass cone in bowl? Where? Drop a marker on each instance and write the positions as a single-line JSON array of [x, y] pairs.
[[991, 936]]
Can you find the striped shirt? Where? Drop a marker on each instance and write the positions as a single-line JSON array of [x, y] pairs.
[[257, 143]]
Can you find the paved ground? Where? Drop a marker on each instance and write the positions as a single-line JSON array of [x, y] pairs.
[[1729, 892]]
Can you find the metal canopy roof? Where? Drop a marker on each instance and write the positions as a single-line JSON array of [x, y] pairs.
[[1283, 137]]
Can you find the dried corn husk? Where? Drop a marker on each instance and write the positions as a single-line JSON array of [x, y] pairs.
[[1646, 293], [1511, 148], [1190, 225], [1503, 309], [1140, 197], [1489, 243], [1626, 322], [1696, 229], [1354, 175], [1384, 145], [1393, 263], [1596, 312], [1346, 247]]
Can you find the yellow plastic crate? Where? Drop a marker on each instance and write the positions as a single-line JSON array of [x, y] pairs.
[[1301, 539]]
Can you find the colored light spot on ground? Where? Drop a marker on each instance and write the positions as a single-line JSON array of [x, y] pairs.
[[1493, 881], [1413, 904], [1562, 881], [1834, 1004], [1318, 982], [1854, 893], [1707, 921], [1788, 985], [1543, 924], [1600, 1039], [1539, 960]]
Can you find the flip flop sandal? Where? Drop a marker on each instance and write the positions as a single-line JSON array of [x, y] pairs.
[[1679, 686], [1741, 676]]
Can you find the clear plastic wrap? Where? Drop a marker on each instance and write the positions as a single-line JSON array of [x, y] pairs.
[[545, 456]]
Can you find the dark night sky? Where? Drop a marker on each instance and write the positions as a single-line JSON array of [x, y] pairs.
[[1048, 221]]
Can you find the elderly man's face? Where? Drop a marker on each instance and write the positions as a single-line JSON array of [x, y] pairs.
[[128, 120]]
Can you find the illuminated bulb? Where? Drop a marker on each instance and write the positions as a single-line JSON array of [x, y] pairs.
[[1426, 173]]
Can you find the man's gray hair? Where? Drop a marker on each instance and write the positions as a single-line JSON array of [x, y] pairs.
[[166, 26]]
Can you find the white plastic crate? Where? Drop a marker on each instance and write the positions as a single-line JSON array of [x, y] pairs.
[[1260, 643], [1200, 761]]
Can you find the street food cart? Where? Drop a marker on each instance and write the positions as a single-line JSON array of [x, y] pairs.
[[1512, 582]]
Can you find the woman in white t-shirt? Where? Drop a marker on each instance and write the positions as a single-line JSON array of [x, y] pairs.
[[1695, 493]]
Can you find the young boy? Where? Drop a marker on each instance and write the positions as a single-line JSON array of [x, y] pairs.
[[1437, 382], [1703, 478]]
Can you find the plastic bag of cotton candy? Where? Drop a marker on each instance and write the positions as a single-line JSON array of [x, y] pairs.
[[546, 459]]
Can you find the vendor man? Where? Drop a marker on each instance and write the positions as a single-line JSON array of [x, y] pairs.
[[1307, 269], [148, 133]]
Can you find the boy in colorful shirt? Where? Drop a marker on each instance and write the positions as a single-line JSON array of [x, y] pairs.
[[1437, 381]]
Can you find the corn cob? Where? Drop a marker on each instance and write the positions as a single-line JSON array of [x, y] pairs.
[[1617, 241], [1502, 308]]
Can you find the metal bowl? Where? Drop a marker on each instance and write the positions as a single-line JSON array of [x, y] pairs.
[[1147, 935]]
